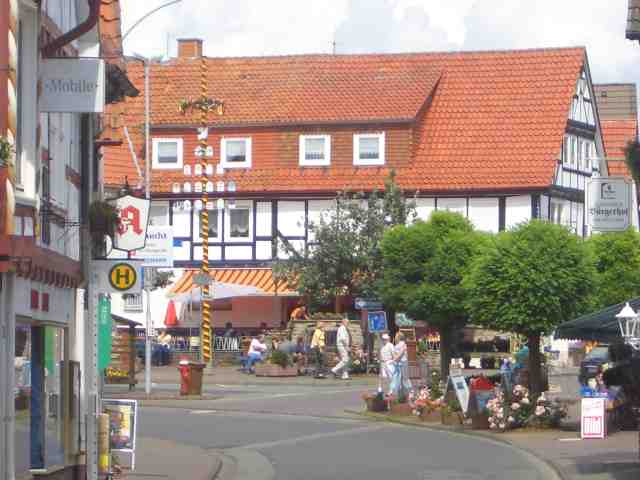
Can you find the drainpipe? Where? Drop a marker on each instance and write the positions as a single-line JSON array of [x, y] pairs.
[[52, 47]]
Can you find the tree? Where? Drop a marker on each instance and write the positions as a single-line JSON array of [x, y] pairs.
[[345, 259], [537, 276], [616, 258], [423, 268]]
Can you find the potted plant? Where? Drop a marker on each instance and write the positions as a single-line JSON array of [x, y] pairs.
[[279, 365], [376, 402], [6, 151], [451, 413], [103, 221]]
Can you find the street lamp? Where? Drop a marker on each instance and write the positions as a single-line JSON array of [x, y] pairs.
[[628, 323], [147, 184]]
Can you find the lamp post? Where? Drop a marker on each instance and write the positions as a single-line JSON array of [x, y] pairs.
[[629, 325]]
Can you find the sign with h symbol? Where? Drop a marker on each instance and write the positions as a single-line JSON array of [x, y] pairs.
[[119, 276]]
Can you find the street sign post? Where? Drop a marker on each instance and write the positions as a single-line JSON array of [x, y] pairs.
[[377, 321], [119, 276], [367, 304]]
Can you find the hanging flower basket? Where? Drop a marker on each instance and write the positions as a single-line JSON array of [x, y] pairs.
[[103, 221]]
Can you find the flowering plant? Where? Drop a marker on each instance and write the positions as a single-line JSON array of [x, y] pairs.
[[547, 414], [422, 401]]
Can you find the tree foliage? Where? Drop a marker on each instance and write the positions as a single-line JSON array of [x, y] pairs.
[[616, 258], [537, 276], [424, 265], [345, 258]]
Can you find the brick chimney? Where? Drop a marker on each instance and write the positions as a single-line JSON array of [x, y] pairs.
[[189, 48]]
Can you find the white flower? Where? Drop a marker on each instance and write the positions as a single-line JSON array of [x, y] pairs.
[[515, 406], [525, 401], [492, 426], [502, 426], [500, 414], [511, 419], [540, 410]]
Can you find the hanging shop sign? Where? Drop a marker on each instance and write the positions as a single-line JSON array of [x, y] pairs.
[[367, 304], [118, 276], [72, 85], [158, 249], [131, 233], [608, 204]]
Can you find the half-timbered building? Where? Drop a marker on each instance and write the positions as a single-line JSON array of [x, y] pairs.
[[499, 136]]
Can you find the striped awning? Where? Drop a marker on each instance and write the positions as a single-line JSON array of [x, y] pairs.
[[261, 278]]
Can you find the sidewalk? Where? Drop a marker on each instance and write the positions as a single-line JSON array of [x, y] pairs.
[[165, 460]]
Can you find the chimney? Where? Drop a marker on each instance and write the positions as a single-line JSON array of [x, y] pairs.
[[189, 48]]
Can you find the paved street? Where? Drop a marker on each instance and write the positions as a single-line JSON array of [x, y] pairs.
[[292, 433]]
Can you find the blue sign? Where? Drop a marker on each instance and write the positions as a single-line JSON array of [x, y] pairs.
[[377, 321], [367, 304]]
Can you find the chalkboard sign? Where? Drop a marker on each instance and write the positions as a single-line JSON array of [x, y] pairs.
[[377, 322]]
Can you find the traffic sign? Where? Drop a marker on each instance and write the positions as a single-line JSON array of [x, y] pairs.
[[377, 321], [367, 304], [122, 276], [118, 276], [201, 279]]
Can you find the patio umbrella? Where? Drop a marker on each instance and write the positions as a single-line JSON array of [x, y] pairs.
[[601, 326], [171, 318], [220, 291]]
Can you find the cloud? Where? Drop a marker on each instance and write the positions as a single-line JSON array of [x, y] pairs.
[[276, 27]]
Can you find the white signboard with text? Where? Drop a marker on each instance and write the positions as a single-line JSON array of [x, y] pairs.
[[609, 203], [72, 85], [592, 418], [158, 251]]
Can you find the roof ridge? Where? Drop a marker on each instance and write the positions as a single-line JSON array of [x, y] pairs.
[[377, 54]]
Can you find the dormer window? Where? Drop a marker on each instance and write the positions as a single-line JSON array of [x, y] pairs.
[[315, 150], [368, 149], [167, 153], [236, 152]]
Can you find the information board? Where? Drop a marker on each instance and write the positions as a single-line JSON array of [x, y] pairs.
[[459, 385], [592, 418], [377, 322], [123, 419]]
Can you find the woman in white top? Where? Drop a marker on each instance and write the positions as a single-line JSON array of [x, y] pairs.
[[387, 365], [401, 359]]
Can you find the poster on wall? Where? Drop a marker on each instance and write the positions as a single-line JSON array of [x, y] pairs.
[[123, 419]]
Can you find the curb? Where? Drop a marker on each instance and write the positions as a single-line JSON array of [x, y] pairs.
[[546, 467]]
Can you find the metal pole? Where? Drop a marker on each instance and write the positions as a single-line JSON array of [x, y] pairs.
[[140, 20], [147, 188]]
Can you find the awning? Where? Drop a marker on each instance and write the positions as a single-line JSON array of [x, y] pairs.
[[601, 326], [261, 278], [220, 291]]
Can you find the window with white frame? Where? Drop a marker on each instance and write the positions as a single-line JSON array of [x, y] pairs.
[[236, 152], [214, 225], [238, 223], [368, 149], [167, 153], [315, 150]]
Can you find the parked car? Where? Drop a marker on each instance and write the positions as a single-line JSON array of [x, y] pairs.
[[593, 362]]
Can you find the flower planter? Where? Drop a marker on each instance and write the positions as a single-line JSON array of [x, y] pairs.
[[271, 370], [401, 409], [452, 418], [480, 422], [432, 416], [376, 405]]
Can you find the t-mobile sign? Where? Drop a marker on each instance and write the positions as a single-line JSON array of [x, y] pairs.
[[72, 85]]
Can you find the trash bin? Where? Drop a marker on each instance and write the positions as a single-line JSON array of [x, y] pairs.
[[191, 378]]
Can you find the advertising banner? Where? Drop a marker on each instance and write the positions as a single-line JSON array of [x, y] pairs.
[[158, 251], [593, 421], [123, 419]]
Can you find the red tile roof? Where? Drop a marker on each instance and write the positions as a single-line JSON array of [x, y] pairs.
[[495, 121], [616, 134]]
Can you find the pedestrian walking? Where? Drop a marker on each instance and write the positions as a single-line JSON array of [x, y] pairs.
[[387, 364], [401, 383], [317, 348], [257, 348], [343, 343]]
